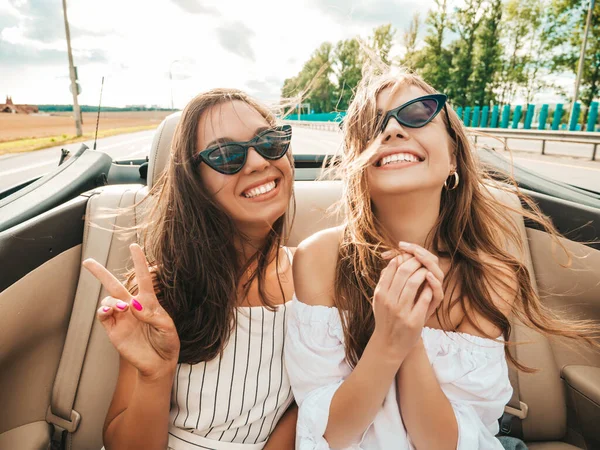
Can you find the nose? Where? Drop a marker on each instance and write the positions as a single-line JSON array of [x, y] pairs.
[[255, 162], [393, 130]]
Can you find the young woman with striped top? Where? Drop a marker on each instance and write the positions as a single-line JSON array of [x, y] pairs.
[[200, 322]]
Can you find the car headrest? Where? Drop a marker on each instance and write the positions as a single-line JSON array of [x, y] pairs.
[[160, 151]]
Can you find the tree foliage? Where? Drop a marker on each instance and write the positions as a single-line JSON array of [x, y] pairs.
[[485, 52]]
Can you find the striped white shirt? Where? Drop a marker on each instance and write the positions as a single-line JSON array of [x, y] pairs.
[[235, 400]]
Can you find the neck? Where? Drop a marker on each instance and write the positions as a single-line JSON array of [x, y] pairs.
[[253, 239], [408, 217]]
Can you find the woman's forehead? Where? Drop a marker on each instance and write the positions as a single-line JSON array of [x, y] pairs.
[[397, 94], [236, 120]]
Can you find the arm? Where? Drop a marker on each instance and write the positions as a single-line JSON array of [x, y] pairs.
[[419, 392], [358, 398], [146, 338], [421, 397], [284, 435], [138, 417]]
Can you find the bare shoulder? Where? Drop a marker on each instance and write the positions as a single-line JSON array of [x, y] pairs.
[[314, 267], [502, 286]]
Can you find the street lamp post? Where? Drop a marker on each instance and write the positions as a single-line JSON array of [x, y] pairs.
[[74, 87], [582, 55]]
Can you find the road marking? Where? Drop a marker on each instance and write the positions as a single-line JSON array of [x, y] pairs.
[[119, 144], [559, 164], [47, 163], [32, 166]]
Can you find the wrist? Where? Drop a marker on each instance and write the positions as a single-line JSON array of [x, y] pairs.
[[165, 374], [386, 351], [416, 352]]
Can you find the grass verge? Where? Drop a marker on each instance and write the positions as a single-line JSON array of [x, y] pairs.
[[32, 144]]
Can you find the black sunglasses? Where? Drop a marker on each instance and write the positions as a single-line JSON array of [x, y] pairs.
[[229, 158], [418, 112]]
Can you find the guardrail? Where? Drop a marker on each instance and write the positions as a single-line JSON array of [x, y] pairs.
[[327, 126], [573, 137]]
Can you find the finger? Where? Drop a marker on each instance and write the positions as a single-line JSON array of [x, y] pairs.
[[437, 288], [389, 254], [409, 294], [386, 277], [402, 275], [426, 258], [142, 274], [116, 304], [104, 313], [108, 280], [419, 312]]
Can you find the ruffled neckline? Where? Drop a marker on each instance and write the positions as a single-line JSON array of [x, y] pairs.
[[434, 339]]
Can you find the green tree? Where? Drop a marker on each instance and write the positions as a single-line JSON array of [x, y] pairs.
[[569, 18], [411, 58], [435, 60], [348, 70], [521, 22], [313, 83], [381, 42], [488, 56], [467, 20]]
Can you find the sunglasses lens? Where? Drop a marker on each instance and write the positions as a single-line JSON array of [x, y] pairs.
[[227, 159], [274, 144], [419, 113]]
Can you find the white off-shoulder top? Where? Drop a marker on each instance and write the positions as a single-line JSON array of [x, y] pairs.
[[472, 372]]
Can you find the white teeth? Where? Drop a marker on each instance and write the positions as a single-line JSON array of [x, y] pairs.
[[259, 190], [408, 157]]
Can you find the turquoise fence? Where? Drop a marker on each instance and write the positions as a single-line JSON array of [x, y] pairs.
[[527, 117], [319, 117]]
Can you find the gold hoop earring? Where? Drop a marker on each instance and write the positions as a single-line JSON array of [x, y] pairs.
[[455, 184]]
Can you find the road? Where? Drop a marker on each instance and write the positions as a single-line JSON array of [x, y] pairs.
[[19, 167]]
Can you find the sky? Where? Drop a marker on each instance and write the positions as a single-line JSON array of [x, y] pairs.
[[150, 51]]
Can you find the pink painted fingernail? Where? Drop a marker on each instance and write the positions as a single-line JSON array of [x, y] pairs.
[[106, 309], [387, 254], [404, 244], [121, 305], [136, 304]]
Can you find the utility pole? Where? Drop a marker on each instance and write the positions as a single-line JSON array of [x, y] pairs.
[[582, 55], [74, 86], [171, 79]]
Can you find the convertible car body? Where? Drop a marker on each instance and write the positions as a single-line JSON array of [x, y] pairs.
[[58, 369]]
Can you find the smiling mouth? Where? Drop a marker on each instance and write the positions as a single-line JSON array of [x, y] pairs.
[[398, 158], [260, 190]]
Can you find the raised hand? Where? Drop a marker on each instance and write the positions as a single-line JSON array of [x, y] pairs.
[[402, 303], [435, 277], [140, 329]]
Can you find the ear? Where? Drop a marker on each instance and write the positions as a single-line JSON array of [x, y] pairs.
[[452, 162]]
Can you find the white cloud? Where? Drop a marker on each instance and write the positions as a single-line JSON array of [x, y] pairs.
[[252, 45]]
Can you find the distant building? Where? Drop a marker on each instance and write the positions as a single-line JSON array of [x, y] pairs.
[[10, 107]]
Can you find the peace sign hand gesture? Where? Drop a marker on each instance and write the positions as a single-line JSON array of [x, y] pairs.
[[140, 329]]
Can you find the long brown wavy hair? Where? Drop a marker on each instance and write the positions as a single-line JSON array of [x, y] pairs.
[[189, 241], [471, 221]]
